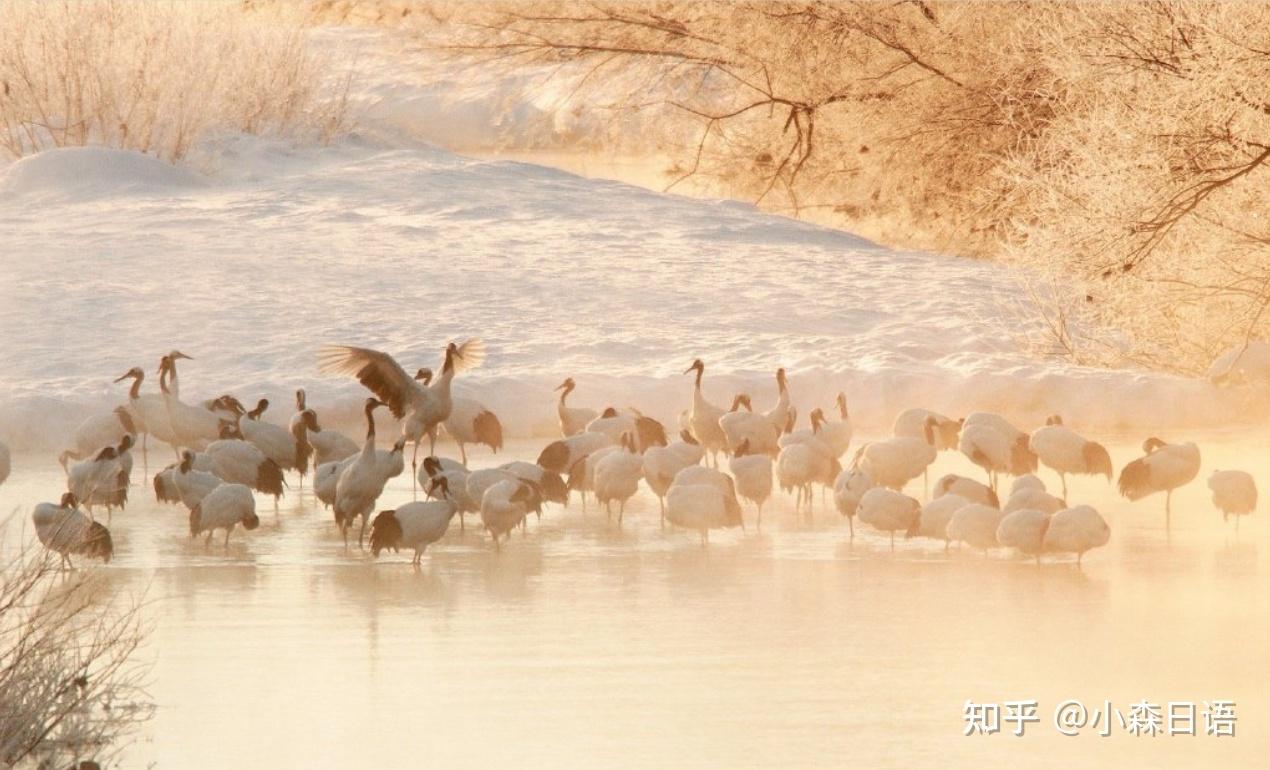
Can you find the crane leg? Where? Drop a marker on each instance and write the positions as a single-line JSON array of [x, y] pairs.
[[1063, 477], [414, 465]]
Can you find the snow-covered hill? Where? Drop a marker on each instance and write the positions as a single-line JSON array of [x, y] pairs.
[[109, 258]]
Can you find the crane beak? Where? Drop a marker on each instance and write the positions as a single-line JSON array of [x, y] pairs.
[[125, 376], [179, 354]]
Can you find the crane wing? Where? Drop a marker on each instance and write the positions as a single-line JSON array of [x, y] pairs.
[[470, 355], [382, 375]]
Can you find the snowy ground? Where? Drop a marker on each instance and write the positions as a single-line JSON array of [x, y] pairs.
[[258, 252]]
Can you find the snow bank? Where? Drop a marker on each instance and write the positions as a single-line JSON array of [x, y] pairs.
[[405, 246], [384, 241], [1245, 364], [91, 172]]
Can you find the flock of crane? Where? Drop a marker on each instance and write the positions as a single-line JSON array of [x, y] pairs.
[[227, 453]]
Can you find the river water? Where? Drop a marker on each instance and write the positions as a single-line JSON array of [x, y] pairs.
[[582, 643]]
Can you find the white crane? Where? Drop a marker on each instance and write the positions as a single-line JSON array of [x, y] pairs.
[[704, 417], [67, 530], [582, 473], [98, 430], [479, 481], [550, 485], [101, 479], [890, 511], [421, 407], [912, 424], [470, 422], [166, 489], [302, 422], [753, 475], [1076, 530], [238, 461], [806, 459], [1164, 468], [617, 476], [192, 485], [146, 409], [645, 431], [848, 491], [894, 462], [289, 448], [756, 430], [976, 525], [1234, 494], [562, 455], [1026, 498], [225, 507], [455, 476], [187, 425], [573, 419], [995, 445], [327, 475], [506, 504], [952, 484], [837, 433], [703, 499], [1024, 530], [782, 413], [936, 514], [329, 445], [1026, 481], [1065, 451], [415, 525], [662, 463], [361, 483]]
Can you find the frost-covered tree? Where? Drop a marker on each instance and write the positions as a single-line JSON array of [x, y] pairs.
[[1115, 150]]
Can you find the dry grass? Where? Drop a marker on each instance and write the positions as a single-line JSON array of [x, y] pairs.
[[154, 76], [71, 688]]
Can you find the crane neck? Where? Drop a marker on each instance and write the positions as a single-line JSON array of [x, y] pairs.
[[174, 384], [370, 430], [442, 385]]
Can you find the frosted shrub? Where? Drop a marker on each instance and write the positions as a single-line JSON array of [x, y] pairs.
[[153, 76], [70, 687]]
